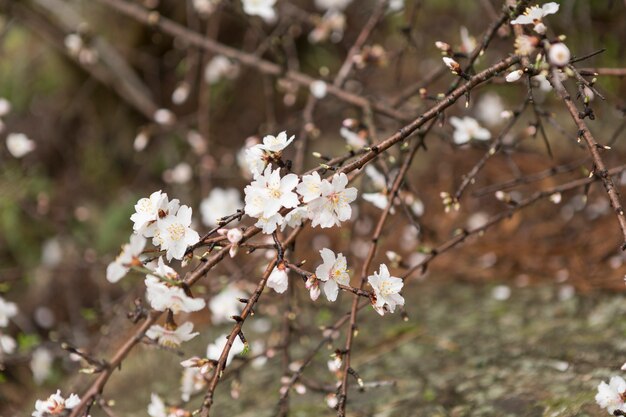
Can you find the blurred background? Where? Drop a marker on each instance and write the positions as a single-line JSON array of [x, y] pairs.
[[520, 321]]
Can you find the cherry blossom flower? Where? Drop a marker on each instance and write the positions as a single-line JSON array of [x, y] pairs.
[[559, 54], [354, 133], [191, 382], [129, 257], [180, 174], [164, 117], [262, 8], [220, 67], [157, 408], [467, 128], [220, 203], [489, 109], [148, 210], [333, 271], [378, 179], [268, 193], [7, 344], [226, 304], [294, 218], [8, 309], [269, 224], [612, 395], [387, 290], [333, 206], [174, 233], [454, 66], [260, 155], [278, 279], [379, 200], [205, 7], [318, 89], [215, 349], [310, 187], [162, 296], [19, 145], [41, 364], [534, 16], [525, 45], [171, 335], [55, 404], [332, 4]]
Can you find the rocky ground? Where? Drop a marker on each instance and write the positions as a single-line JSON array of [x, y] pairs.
[[464, 352]]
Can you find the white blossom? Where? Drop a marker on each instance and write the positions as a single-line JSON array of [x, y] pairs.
[[148, 210], [5, 106], [171, 336], [7, 344], [226, 304], [269, 224], [489, 109], [379, 200], [451, 64], [220, 67], [20, 145], [534, 16], [215, 349], [276, 143], [129, 256], [234, 236], [174, 233], [180, 174], [611, 396], [278, 279], [332, 4], [333, 271], [262, 8], [378, 179], [310, 187], [41, 364], [318, 89], [467, 128], [387, 290], [559, 54], [333, 206], [157, 408], [55, 404], [468, 42], [258, 156], [162, 296], [221, 202], [191, 382], [164, 117], [513, 76], [268, 193], [294, 218], [8, 309], [354, 139], [205, 7]]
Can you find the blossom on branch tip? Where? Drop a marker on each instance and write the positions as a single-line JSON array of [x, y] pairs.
[[454, 66], [260, 155], [513, 76], [55, 405], [129, 257], [163, 296], [612, 395], [310, 187], [386, 289], [534, 16], [333, 271], [148, 210], [278, 279]]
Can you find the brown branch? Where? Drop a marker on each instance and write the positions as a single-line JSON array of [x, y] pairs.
[[599, 170]]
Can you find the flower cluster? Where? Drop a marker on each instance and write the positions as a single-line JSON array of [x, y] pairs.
[[612, 396], [327, 203]]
